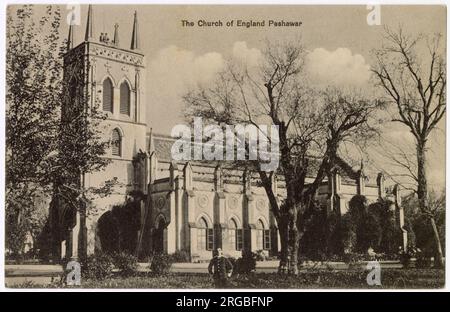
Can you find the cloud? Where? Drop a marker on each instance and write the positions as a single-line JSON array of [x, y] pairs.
[[337, 68], [185, 66], [241, 52], [170, 74], [173, 71]]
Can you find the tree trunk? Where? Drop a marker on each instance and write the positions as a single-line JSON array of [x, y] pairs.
[[438, 258], [293, 247], [422, 183], [422, 194], [289, 236], [284, 240]]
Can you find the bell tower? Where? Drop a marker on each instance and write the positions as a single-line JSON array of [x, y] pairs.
[[109, 74]]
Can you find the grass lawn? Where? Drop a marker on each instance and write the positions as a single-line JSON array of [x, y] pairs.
[[390, 278]]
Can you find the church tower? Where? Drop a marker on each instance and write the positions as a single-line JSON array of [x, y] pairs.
[[109, 74]]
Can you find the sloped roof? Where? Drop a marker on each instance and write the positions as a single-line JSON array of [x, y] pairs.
[[162, 145]]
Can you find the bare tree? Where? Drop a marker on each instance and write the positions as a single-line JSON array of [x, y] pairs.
[[397, 161], [416, 85], [310, 123]]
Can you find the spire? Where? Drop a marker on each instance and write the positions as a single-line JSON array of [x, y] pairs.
[[70, 38], [89, 26], [116, 35], [135, 34]]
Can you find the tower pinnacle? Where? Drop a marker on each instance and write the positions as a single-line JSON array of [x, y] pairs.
[[116, 35], [70, 38], [89, 25], [135, 34]]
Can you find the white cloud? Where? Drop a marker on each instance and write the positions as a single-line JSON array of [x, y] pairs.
[[169, 76], [175, 70], [337, 68], [241, 52]]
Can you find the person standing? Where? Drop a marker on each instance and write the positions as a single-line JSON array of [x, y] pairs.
[[220, 268]]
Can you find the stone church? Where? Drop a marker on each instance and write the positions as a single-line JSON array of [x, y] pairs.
[[159, 204]]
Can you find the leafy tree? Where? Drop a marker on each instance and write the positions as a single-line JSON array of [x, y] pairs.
[[33, 88], [50, 144], [375, 225]]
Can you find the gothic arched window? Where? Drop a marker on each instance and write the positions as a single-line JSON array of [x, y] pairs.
[[116, 143], [125, 98], [205, 235], [235, 235], [263, 238], [260, 235], [108, 95]]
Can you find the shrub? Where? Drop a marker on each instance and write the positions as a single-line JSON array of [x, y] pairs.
[[260, 255], [180, 256], [369, 233], [234, 263], [423, 260], [405, 257], [357, 207], [160, 263], [126, 263], [314, 242], [347, 233], [352, 257], [246, 264], [98, 266]]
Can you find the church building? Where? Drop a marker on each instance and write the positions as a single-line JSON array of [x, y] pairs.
[[158, 204]]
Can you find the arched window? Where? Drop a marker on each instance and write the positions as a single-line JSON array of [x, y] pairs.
[[260, 236], [125, 98], [205, 235], [116, 143], [263, 238], [235, 235], [108, 95]]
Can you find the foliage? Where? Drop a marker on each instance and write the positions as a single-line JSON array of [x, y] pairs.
[[375, 226], [33, 85], [405, 257], [51, 138], [352, 235], [261, 255], [245, 264], [390, 236], [314, 244], [180, 256], [98, 266], [347, 233], [419, 224], [160, 263], [33, 81], [122, 225], [126, 263], [423, 260], [24, 217], [312, 279]]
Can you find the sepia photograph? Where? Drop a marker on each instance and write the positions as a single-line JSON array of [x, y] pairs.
[[256, 146]]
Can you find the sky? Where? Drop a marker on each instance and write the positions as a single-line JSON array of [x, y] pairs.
[[338, 40]]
